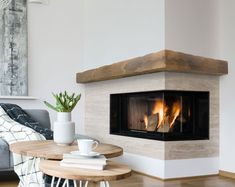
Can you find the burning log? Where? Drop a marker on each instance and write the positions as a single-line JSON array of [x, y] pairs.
[[165, 126], [152, 122], [163, 117]]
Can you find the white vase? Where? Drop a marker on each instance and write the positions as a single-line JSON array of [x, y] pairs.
[[63, 116], [64, 129]]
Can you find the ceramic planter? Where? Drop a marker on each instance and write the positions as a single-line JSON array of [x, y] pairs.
[[64, 129]]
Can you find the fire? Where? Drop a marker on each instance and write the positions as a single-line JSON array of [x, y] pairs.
[[159, 108], [176, 108], [146, 121], [166, 115]]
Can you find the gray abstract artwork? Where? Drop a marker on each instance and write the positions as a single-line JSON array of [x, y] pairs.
[[13, 49]]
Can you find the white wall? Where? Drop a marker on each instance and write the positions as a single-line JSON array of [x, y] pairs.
[[207, 28], [226, 27], [190, 26], [118, 30], [55, 53]]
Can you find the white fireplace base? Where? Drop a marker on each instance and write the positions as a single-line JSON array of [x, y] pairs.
[[168, 169]]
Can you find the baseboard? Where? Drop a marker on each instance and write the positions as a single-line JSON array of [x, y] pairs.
[[188, 178], [173, 179], [227, 174], [147, 175]]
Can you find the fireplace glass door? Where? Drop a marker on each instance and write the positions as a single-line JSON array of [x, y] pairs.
[[161, 115]]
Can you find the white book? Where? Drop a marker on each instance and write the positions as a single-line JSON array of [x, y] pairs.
[[83, 166], [70, 158]]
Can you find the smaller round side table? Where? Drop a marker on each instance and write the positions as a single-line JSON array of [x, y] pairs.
[[113, 171]]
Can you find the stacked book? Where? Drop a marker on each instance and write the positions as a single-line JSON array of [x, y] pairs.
[[78, 161]]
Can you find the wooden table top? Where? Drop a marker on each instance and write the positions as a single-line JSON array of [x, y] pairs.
[[48, 149], [113, 171]]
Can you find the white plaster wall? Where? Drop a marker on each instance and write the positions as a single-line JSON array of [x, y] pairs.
[[207, 28], [191, 26], [55, 53], [118, 30], [226, 28]]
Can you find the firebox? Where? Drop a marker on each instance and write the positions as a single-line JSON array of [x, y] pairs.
[[165, 115]]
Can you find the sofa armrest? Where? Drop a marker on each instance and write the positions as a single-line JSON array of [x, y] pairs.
[[4, 154], [42, 116]]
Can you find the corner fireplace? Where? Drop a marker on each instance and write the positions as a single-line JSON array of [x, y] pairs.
[[198, 118], [165, 115]]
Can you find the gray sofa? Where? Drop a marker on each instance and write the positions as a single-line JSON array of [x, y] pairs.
[[6, 161]]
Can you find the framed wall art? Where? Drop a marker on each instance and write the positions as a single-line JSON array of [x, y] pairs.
[[14, 49]]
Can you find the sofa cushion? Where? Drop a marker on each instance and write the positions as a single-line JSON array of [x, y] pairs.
[[4, 154]]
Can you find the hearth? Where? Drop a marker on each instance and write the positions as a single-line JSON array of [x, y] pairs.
[[165, 115]]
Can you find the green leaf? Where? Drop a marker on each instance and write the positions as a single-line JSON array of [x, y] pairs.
[[50, 106], [64, 101]]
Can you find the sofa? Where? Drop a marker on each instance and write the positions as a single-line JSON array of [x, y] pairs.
[[6, 161]]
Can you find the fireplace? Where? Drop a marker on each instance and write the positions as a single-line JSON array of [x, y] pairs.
[[162, 115], [132, 82]]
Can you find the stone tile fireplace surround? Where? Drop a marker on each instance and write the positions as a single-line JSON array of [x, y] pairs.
[[164, 70]]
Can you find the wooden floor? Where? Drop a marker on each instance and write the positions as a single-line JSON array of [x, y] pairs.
[[137, 180], [8, 179]]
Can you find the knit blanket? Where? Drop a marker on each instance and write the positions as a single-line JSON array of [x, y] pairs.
[[12, 132], [19, 115]]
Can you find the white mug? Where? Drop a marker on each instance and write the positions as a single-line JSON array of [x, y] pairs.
[[86, 146]]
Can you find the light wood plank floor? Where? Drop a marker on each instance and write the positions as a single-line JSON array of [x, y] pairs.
[[137, 180]]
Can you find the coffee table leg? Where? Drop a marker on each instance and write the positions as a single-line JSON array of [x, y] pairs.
[[66, 182], [58, 182], [74, 183], [86, 184], [104, 184], [52, 181], [107, 184]]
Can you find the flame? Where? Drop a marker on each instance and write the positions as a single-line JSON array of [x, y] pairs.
[[166, 114], [159, 108], [176, 108], [146, 121]]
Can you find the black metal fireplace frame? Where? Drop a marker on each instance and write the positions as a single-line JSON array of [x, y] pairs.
[[118, 124]]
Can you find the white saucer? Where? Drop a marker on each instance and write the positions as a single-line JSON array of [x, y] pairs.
[[91, 154]]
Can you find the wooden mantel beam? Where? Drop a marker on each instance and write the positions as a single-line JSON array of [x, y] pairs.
[[165, 60]]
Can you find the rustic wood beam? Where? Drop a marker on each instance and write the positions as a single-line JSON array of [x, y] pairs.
[[162, 61]]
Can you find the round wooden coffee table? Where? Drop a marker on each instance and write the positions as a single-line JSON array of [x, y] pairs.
[[48, 149], [113, 171]]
